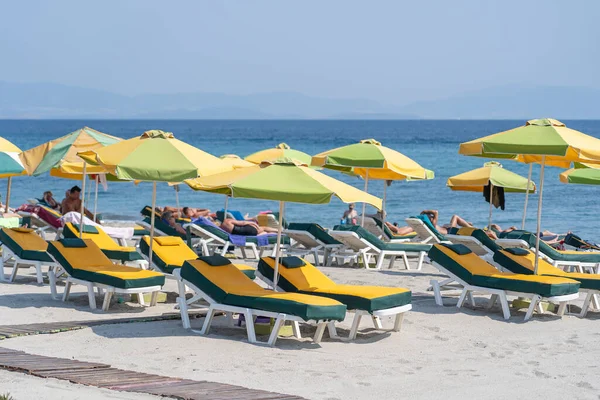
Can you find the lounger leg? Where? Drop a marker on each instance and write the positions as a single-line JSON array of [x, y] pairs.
[[316, 256], [319, 333], [355, 324], [595, 302], [250, 326], [586, 304], [435, 285], [141, 300], [67, 290], [471, 299], [504, 304], [2, 269], [243, 251], [420, 261], [376, 322], [230, 321], [52, 282], [534, 301], [492, 301], [106, 302], [398, 322], [561, 308], [154, 298], [207, 321], [205, 251], [405, 259], [275, 332], [183, 310], [332, 331], [462, 298], [380, 260], [38, 272], [540, 309], [91, 296], [14, 271], [296, 329]]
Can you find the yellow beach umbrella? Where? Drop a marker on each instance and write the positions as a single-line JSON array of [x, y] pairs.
[[236, 161], [10, 165], [282, 150], [371, 160], [545, 141], [284, 180]]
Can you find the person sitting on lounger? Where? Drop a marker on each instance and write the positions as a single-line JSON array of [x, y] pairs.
[[72, 202], [48, 198], [455, 221], [168, 218], [245, 228]]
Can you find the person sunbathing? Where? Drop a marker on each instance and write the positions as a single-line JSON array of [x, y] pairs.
[[245, 228], [49, 200], [72, 202], [168, 218], [433, 215], [546, 236]]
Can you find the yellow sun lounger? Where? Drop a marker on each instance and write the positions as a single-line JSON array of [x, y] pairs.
[[299, 276], [476, 275], [216, 280], [25, 248], [170, 252], [85, 264], [521, 261], [122, 254]]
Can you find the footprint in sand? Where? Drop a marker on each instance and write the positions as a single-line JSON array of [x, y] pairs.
[[534, 363], [443, 339], [541, 374], [585, 385], [364, 383]]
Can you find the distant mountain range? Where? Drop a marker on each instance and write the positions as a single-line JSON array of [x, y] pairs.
[[51, 100]]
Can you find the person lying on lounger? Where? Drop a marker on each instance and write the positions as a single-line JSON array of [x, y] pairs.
[[168, 218], [455, 221], [48, 198], [245, 228], [547, 236]]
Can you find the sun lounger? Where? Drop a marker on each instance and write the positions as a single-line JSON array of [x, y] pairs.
[[270, 220], [369, 246], [25, 248], [170, 252], [122, 254], [230, 214], [476, 240], [475, 274], [574, 242], [42, 219], [227, 289], [299, 276], [85, 264], [426, 232], [522, 261], [312, 239], [559, 258], [161, 228]]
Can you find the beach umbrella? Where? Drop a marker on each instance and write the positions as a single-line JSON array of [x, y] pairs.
[[10, 164], [582, 174], [282, 150], [285, 181], [544, 141], [493, 175], [155, 156], [236, 161], [371, 160]]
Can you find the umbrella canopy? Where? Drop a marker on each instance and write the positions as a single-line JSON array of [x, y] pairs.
[[59, 156], [10, 164], [538, 138], [582, 176], [545, 141], [235, 161], [492, 172], [282, 150], [155, 156], [285, 181]]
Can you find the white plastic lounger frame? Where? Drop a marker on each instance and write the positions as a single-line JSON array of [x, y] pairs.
[[423, 231], [102, 288], [7, 254], [376, 316], [310, 245], [579, 266], [498, 294], [367, 250], [41, 226], [473, 244], [249, 315]]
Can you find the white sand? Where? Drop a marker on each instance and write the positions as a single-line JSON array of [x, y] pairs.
[[441, 352]]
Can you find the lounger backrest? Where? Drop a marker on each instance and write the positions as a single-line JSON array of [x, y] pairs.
[[316, 230], [214, 230], [465, 266], [530, 238], [480, 235], [424, 228], [373, 227], [94, 233], [71, 258], [521, 261], [304, 278], [362, 233], [163, 227], [218, 281], [167, 250]]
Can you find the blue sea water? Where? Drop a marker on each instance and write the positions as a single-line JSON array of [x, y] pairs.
[[434, 144]]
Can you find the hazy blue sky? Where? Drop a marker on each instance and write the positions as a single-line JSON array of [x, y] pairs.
[[392, 51]]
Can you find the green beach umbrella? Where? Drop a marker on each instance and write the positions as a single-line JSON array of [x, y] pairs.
[[284, 180], [581, 175], [10, 165], [545, 141], [282, 150]]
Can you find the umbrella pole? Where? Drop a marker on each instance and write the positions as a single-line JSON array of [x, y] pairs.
[[362, 220], [153, 215], [383, 206], [176, 187], [81, 221], [278, 245], [539, 217], [8, 193], [225, 208], [96, 199], [490, 217], [526, 196]]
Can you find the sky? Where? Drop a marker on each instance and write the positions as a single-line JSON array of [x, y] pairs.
[[394, 52]]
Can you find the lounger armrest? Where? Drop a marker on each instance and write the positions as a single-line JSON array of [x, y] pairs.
[[504, 243]]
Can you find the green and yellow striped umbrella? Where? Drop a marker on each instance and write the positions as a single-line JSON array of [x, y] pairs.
[[581, 174], [10, 164], [282, 150], [236, 161], [59, 156]]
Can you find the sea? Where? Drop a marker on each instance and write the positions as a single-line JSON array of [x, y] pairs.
[[432, 143]]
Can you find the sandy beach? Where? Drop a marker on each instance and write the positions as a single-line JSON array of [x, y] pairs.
[[440, 352]]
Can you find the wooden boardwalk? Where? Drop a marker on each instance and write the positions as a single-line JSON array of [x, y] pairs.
[[104, 376]]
